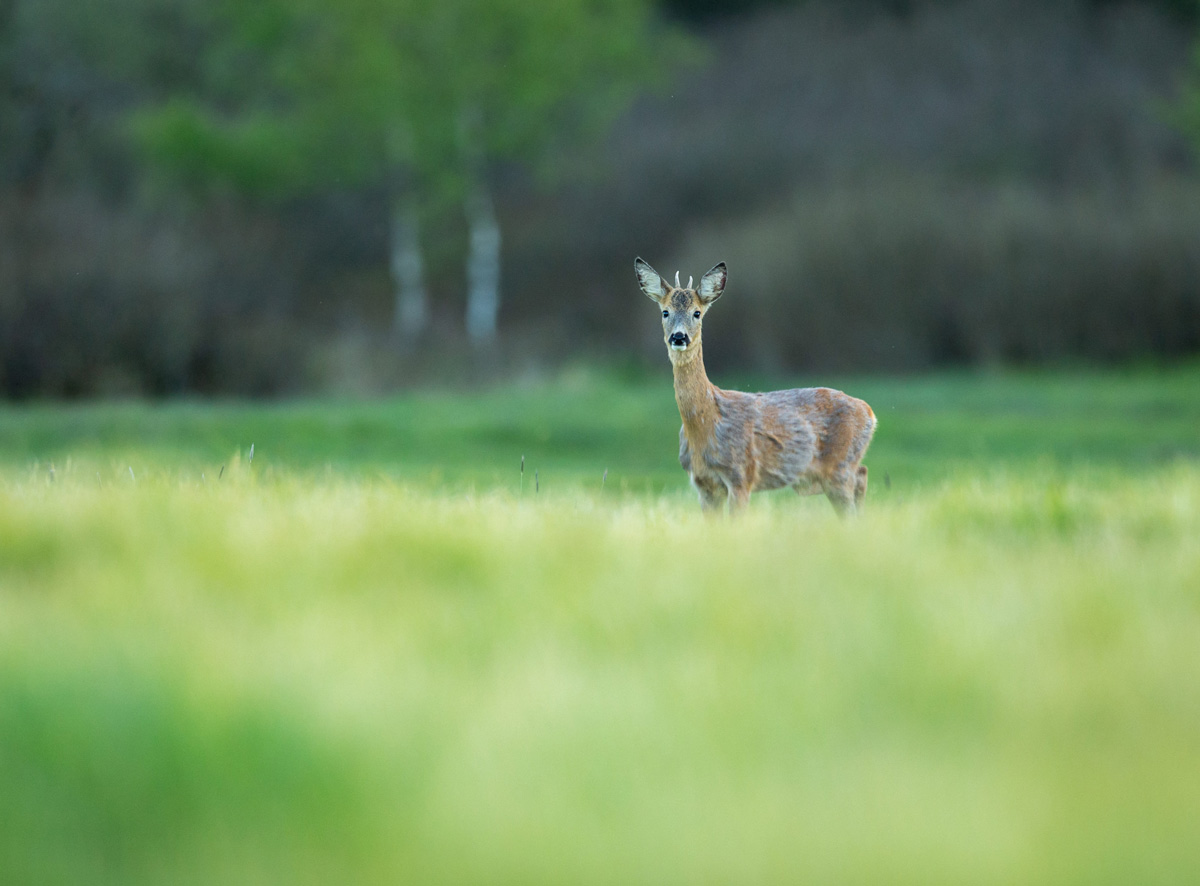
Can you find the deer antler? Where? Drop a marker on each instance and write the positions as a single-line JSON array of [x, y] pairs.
[[677, 286], [689, 281]]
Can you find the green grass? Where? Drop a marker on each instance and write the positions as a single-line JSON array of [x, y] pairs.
[[572, 430], [370, 656]]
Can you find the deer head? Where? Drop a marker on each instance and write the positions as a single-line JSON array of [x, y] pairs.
[[683, 308]]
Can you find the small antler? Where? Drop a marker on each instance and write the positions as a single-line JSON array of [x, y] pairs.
[[689, 281], [677, 286]]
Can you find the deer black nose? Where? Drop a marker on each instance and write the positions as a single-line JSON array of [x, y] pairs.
[[679, 338]]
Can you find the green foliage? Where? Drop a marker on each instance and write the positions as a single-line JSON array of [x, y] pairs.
[[1184, 112], [253, 156], [523, 66], [300, 94], [705, 9], [293, 676]]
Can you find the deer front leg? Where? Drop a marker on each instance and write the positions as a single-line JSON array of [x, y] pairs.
[[739, 497], [712, 493]]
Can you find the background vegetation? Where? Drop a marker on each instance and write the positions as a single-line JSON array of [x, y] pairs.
[[200, 198]]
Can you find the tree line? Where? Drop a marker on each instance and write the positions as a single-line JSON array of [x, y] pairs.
[[281, 98], [260, 197]]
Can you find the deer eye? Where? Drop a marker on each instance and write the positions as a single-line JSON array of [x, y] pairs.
[[666, 313], [696, 315]]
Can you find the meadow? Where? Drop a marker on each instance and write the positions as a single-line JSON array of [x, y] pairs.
[[378, 652]]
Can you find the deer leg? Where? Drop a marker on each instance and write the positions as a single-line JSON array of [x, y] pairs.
[[840, 490], [712, 494], [739, 497], [860, 485]]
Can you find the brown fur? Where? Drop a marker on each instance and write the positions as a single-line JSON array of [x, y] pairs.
[[734, 443]]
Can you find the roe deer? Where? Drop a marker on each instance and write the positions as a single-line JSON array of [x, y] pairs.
[[733, 443]]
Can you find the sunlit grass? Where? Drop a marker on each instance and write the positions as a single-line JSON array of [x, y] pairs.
[[377, 652], [287, 676]]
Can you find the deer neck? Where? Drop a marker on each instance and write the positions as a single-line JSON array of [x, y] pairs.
[[695, 396]]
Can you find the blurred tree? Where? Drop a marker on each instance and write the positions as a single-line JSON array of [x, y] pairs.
[[1185, 112], [705, 10], [522, 79], [1184, 10], [41, 92], [421, 95]]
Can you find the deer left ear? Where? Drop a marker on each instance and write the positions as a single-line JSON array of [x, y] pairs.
[[712, 284], [651, 282]]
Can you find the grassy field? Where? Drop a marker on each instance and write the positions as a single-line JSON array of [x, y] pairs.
[[377, 654]]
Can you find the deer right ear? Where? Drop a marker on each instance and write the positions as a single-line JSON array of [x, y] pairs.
[[712, 284], [652, 284]]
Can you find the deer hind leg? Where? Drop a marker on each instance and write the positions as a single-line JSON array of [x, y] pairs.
[[841, 490], [860, 485]]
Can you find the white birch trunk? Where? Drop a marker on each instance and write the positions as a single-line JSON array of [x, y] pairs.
[[483, 264], [410, 319]]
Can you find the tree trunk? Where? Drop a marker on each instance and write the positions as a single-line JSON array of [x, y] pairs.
[[483, 257], [410, 319], [483, 264]]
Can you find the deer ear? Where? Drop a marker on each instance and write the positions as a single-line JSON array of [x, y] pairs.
[[712, 284], [652, 284]]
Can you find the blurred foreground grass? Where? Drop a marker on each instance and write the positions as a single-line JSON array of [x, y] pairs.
[[293, 675]]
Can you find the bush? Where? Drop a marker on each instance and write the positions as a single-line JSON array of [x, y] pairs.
[[919, 272], [119, 301]]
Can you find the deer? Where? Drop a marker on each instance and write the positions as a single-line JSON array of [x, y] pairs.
[[734, 443]]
